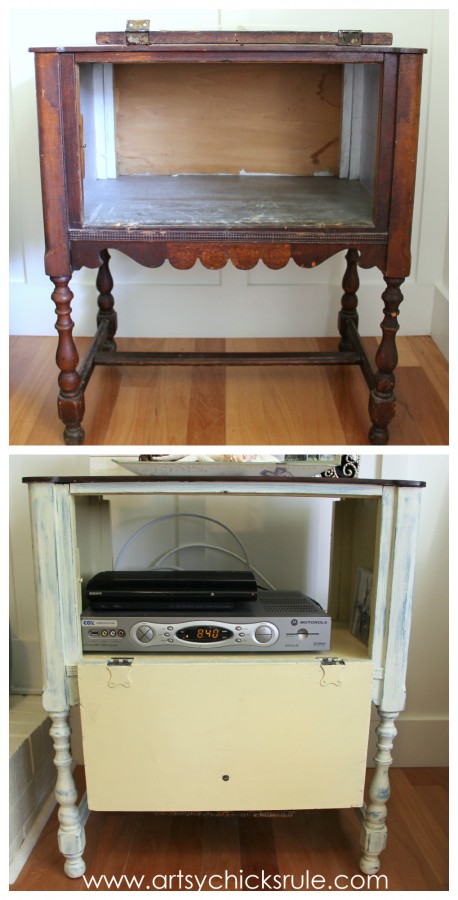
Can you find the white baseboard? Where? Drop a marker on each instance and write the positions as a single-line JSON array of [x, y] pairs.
[[440, 321], [31, 839]]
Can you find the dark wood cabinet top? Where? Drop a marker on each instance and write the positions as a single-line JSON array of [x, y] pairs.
[[339, 42], [153, 479]]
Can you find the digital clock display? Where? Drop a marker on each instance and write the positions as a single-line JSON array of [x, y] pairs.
[[204, 634]]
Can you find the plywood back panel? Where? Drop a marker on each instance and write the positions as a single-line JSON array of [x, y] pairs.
[[281, 119]]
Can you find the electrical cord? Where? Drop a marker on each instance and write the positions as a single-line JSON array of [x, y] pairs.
[[178, 516], [164, 556]]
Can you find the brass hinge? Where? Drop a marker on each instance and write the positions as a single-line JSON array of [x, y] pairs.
[[137, 31], [350, 38]]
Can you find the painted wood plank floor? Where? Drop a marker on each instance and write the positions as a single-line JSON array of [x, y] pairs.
[[320, 842], [281, 405]]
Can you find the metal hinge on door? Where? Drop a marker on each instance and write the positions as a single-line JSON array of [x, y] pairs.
[[349, 38], [331, 673], [137, 31], [119, 669]]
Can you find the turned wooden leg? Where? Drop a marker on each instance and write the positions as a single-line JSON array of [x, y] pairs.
[[374, 831], [349, 302], [105, 301], [70, 836], [70, 402], [382, 401]]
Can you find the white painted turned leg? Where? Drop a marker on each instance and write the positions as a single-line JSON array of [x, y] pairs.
[[374, 831], [71, 832]]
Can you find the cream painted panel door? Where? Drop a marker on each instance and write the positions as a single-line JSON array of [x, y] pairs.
[[224, 733]]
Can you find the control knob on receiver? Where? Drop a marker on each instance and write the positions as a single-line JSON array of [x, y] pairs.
[[144, 633], [263, 634]]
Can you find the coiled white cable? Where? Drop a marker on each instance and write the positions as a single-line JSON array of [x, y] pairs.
[[178, 516], [211, 547]]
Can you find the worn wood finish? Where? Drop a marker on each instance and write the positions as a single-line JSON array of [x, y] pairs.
[[105, 301], [236, 358], [184, 249], [374, 830], [74, 139], [234, 53], [404, 167], [386, 138], [70, 837], [52, 167], [247, 53], [70, 402], [349, 301], [242, 37], [235, 202], [244, 221], [382, 401]]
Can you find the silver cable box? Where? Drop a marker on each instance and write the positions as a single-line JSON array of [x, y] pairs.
[[276, 621]]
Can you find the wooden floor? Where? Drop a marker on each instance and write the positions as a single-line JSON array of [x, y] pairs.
[[317, 842], [280, 405]]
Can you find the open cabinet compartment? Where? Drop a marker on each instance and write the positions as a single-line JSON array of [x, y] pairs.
[[321, 544], [202, 145]]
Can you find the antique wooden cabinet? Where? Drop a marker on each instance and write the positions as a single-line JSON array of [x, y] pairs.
[[225, 147], [157, 717]]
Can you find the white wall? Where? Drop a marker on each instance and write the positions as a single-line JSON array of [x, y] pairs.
[[423, 727], [230, 302]]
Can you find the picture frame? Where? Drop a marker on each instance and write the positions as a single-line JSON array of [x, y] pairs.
[[361, 614]]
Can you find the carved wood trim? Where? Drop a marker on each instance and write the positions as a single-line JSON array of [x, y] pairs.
[[215, 255]]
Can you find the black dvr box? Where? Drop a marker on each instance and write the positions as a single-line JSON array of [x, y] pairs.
[[156, 589]]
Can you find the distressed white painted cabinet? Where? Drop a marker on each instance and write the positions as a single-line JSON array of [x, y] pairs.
[[227, 731]]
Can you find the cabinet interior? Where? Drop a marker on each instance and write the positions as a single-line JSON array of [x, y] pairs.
[[192, 144], [316, 545]]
